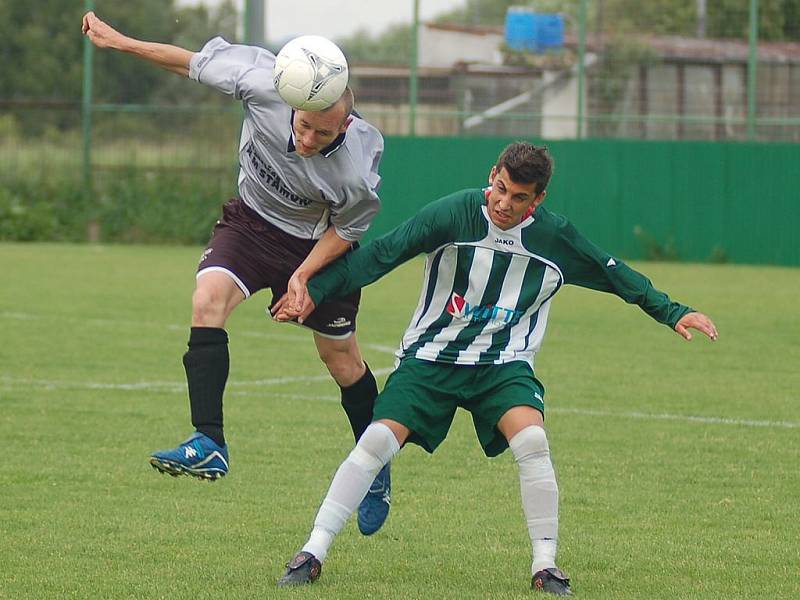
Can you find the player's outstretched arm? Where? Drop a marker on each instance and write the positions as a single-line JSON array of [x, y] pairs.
[[699, 321], [166, 56]]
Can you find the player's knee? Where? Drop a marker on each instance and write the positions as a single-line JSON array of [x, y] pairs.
[[375, 448], [529, 443], [344, 365], [208, 308]]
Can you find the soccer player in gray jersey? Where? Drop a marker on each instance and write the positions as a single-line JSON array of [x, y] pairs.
[[307, 192], [495, 260]]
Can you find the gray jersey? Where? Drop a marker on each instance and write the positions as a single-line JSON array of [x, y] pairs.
[[302, 196]]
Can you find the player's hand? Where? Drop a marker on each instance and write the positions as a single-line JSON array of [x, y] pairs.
[[297, 292], [99, 32], [284, 309], [280, 311], [699, 321]]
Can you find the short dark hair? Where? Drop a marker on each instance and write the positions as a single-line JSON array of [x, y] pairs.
[[526, 163], [347, 100]]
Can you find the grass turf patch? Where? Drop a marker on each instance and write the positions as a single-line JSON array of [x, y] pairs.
[[677, 462]]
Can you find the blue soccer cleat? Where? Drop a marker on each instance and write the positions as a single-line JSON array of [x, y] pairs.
[[374, 508], [199, 456]]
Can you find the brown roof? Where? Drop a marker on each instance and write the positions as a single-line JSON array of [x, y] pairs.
[[723, 50]]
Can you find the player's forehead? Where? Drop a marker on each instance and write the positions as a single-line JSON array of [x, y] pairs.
[[329, 120], [527, 189]]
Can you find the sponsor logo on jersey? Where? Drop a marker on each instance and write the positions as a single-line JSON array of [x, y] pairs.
[[270, 177], [611, 263], [503, 242], [461, 309]]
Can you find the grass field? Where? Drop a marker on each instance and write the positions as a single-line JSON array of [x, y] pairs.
[[677, 462]]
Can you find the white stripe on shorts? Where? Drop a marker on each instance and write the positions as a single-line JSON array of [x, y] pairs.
[[230, 274]]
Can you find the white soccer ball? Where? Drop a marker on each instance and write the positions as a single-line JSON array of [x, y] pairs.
[[310, 73]]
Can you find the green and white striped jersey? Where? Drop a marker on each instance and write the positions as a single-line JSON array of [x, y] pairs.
[[486, 292]]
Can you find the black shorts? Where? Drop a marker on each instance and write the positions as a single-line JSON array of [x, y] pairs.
[[257, 255]]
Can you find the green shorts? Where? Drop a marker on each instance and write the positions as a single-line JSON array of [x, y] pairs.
[[424, 395]]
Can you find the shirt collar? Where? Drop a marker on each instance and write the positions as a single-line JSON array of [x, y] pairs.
[[337, 143]]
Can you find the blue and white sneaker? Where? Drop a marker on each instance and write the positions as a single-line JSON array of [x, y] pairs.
[[199, 456], [374, 508]]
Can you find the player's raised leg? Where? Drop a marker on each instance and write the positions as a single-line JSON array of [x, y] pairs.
[[205, 454], [523, 427], [376, 447], [343, 359]]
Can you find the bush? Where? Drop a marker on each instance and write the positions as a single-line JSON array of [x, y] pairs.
[[51, 210], [126, 206], [163, 207], [653, 249]]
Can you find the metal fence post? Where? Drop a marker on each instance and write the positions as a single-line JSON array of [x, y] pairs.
[[752, 62], [86, 108], [413, 75], [581, 62], [92, 230], [253, 25]]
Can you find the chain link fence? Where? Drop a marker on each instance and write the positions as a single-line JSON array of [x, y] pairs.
[[727, 70]]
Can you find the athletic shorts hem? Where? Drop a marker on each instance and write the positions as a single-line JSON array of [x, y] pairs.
[[240, 284], [328, 336]]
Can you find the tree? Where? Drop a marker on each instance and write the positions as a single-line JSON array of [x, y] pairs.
[[45, 47], [42, 53], [393, 46], [778, 19], [124, 79], [40, 56]]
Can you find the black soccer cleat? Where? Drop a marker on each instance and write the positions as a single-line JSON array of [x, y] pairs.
[[552, 581], [302, 569]]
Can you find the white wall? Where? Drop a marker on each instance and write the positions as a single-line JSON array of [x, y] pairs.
[[444, 48]]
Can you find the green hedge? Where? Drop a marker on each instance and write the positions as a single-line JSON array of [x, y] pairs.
[[126, 206], [694, 201]]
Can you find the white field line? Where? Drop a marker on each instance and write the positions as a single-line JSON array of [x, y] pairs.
[[180, 388], [173, 387], [302, 334], [161, 386], [604, 413], [670, 417]]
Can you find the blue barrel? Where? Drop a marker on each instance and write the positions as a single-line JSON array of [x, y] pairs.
[[520, 28], [548, 32]]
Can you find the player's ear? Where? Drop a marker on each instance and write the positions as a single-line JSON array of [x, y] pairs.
[[492, 174], [538, 200]]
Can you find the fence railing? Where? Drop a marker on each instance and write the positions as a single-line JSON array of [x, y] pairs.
[[611, 76]]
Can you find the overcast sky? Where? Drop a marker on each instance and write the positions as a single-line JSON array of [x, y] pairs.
[[337, 18]]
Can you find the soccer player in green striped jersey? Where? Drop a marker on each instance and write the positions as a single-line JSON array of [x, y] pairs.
[[495, 260]]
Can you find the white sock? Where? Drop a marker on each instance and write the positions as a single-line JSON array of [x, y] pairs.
[[375, 448], [539, 490]]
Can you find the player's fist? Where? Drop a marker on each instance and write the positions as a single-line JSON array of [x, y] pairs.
[[99, 32]]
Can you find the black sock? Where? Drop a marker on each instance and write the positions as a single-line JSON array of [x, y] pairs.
[[358, 400], [207, 362]]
